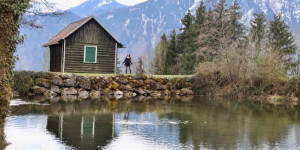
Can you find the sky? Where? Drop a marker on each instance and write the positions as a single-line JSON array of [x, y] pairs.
[[66, 4]]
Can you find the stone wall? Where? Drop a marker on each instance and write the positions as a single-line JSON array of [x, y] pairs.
[[121, 85]]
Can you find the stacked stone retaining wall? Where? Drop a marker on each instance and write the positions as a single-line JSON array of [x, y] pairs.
[[121, 85]]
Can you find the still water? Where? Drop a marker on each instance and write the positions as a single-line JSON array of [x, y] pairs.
[[199, 123]]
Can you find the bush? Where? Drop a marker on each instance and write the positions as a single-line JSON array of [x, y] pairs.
[[242, 73], [293, 87], [24, 80]]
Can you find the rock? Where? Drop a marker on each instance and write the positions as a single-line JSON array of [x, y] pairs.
[[69, 91], [85, 84], [189, 85], [107, 92], [99, 86], [130, 77], [186, 91], [139, 91], [43, 82], [118, 93], [148, 92], [160, 80], [178, 85], [68, 76], [147, 81], [57, 81], [48, 94], [170, 86], [136, 83], [96, 80], [129, 94], [141, 77], [95, 94], [113, 85], [83, 94], [70, 83], [107, 80], [175, 92], [38, 90], [156, 94], [81, 78], [55, 89], [122, 80], [152, 84], [160, 86], [167, 92], [126, 88], [30, 94]]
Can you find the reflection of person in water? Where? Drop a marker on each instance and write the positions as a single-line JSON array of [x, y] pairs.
[[126, 116], [127, 62]]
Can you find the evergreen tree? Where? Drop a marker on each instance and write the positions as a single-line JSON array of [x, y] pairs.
[[221, 16], [160, 57], [200, 14], [258, 30], [140, 68], [222, 25], [236, 27], [187, 21], [282, 41], [172, 52], [187, 44], [210, 33]]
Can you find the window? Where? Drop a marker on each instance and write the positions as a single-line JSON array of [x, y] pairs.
[[90, 54]]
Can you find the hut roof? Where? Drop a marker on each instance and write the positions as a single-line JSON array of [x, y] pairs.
[[71, 28]]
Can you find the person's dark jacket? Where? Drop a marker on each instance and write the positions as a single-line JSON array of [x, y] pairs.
[[127, 61]]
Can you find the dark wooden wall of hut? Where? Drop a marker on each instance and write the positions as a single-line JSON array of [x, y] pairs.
[[90, 34], [55, 58]]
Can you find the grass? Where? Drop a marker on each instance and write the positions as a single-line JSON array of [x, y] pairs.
[[112, 75]]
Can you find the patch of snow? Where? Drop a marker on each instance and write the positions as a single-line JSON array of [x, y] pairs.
[[104, 3], [195, 5], [109, 17], [127, 22]]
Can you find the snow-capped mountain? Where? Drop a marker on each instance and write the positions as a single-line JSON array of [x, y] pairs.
[[93, 7], [139, 27]]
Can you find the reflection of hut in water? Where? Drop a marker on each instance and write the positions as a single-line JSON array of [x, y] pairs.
[[82, 131]]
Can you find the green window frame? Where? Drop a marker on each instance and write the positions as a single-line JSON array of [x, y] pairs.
[[90, 54]]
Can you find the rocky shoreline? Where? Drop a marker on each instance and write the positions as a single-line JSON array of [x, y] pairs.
[[84, 87]]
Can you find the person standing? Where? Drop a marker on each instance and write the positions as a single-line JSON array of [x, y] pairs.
[[127, 62]]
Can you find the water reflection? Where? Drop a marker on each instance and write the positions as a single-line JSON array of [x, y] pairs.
[[154, 124]]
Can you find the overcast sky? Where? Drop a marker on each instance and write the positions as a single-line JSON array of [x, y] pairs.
[[66, 4]]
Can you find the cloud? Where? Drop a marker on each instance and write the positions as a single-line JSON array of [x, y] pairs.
[[66, 4], [130, 2]]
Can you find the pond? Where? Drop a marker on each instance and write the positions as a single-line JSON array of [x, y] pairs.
[[197, 123]]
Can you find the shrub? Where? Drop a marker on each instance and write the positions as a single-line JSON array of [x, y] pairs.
[[242, 73], [24, 80]]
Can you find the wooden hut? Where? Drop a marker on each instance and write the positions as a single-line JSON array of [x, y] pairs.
[[84, 46]]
